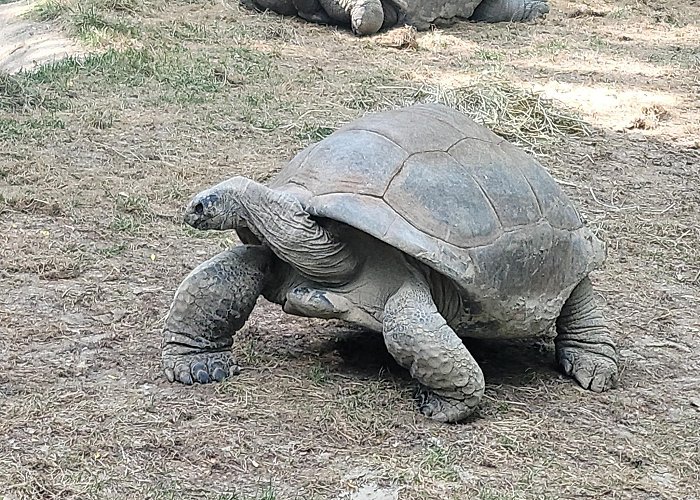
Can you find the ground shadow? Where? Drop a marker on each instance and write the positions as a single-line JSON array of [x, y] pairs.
[[510, 362]]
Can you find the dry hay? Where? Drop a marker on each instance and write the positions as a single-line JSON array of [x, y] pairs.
[[399, 38], [651, 116], [522, 116]]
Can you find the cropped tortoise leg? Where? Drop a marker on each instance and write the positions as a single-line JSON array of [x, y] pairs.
[[532, 9], [282, 7], [364, 16], [311, 11], [212, 303], [585, 349], [420, 340], [495, 11]]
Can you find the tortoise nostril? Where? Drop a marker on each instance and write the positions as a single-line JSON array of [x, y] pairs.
[[199, 209]]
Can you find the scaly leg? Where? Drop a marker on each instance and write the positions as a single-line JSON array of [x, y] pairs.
[[585, 349], [420, 340], [495, 11], [212, 303], [364, 16]]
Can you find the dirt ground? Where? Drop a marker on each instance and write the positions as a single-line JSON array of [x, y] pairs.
[[26, 43], [98, 157]]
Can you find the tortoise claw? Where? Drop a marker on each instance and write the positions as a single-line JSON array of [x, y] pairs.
[[201, 368], [595, 372]]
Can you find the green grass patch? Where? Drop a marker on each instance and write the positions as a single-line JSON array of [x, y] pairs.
[[114, 250], [18, 92], [311, 132], [261, 109], [31, 128], [48, 10], [176, 71], [440, 463], [100, 118], [131, 213], [129, 6], [90, 24], [488, 55], [126, 223], [250, 62], [319, 374], [88, 14], [190, 32]]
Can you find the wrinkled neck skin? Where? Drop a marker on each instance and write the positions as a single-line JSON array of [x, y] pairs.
[[234, 197], [380, 272], [321, 268]]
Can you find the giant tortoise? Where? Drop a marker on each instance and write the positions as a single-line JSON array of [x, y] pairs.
[[366, 17], [416, 223]]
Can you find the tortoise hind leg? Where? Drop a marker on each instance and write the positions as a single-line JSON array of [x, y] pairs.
[[418, 337], [212, 303], [585, 349]]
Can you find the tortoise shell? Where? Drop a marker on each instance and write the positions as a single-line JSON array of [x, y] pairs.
[[447, 191]]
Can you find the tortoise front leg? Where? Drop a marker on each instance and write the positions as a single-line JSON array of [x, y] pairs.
[[495, 11], [212, 303], [365, 16], [584, 347], [312, 11], [420, 340]]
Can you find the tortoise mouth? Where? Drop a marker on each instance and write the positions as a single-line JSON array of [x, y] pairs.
[[193, 220], [196, 217]]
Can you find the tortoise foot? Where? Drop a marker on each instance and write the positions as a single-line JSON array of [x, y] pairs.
[[443, 409], [201, 367], [591, 370], [534, 9]]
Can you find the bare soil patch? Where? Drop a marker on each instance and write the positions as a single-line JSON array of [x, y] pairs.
[[27, 43], [99, 155]]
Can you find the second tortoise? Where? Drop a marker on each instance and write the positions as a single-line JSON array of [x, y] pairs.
[[366, 17]]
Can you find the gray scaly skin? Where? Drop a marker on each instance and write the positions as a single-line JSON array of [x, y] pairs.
[[494, 11], [381, 290], [366, 17], [212, 303], [584, 347], [415, 223], [240, 203], [420, 340], [375, 286]]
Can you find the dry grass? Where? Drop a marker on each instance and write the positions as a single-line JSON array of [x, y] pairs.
[[98, 156], [522, 116], [405, 37]]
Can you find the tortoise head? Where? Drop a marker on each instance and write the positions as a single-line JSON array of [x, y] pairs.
[[217, 207]]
